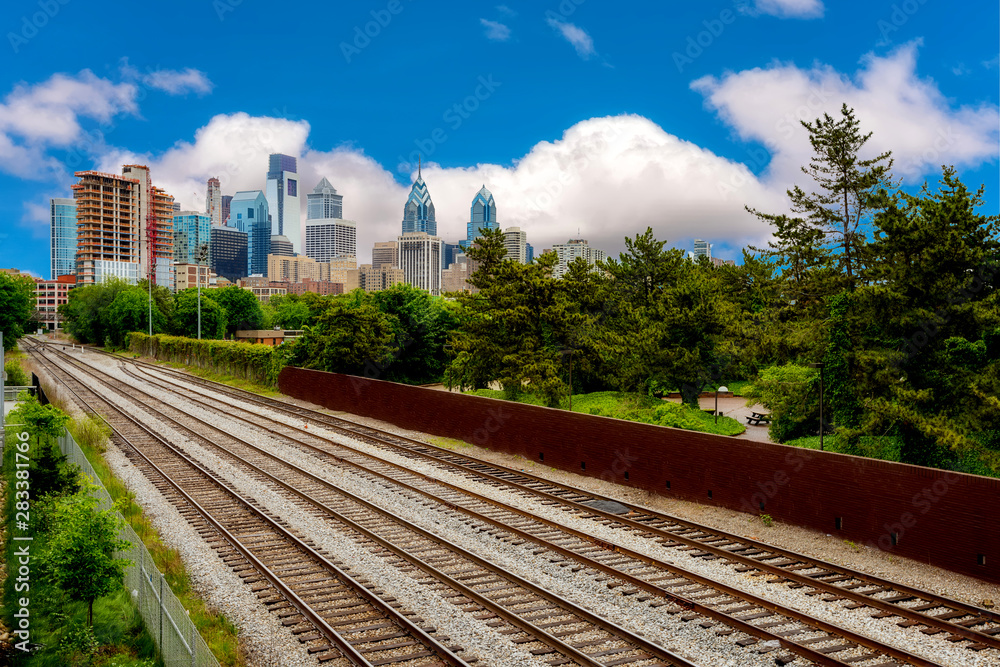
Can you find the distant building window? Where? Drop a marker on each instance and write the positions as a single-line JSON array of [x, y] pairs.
[[293, 188]]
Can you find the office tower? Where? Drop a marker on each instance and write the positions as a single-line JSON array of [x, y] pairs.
[[213, 201], [227, 204], [455, 278], [283, 199], [124, 227], [192, 230], [572, 249], [418, 214], [702, 249], [420, 260], [529, 253], [249, 213], [515, 242], [377, 278], [324, 202], [328, 235], [483, 215], [281, 247], [228, 252], [295, 269], [448, 252], [63, 237], [385, 253], [343, 270]]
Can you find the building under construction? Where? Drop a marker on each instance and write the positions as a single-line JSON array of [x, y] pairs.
[[124, 227]]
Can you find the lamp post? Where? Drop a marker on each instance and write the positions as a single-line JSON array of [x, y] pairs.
[[202, 256], [717, 390], [820, 367]]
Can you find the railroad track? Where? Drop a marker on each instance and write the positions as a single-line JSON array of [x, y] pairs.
[[328, 610], [953, 620], [702, 598]]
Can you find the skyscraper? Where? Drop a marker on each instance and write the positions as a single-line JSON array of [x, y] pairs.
[[283, 199], [420, 260], [515, 242], [384, 254], [192, 229], [572, 249], [328, 235], [228, 252], [63, 237], [249, 213], [418, 214], [702, 249], [124, 227], [483, 215], [213, 201], [227, 201]]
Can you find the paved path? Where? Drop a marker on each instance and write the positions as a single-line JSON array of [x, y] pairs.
[[736, 408]]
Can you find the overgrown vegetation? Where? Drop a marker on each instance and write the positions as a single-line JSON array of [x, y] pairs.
[[260, 363]]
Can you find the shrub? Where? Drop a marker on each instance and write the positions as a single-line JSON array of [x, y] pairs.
[[791, 393], [262, 363], [16, 377]]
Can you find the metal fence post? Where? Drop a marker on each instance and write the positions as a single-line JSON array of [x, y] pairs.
[[161, 612]]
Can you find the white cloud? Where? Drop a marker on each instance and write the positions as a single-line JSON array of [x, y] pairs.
[[799, 9], [497, 32], [179, 82], [575, 35], [606, 177], [906, 114], [506, 11]]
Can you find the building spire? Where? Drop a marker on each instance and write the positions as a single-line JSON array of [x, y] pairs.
[[418, 166]]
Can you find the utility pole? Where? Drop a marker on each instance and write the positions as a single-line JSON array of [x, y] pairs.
[[202, 256]]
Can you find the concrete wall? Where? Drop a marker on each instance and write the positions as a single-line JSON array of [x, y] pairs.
[[940, 517]]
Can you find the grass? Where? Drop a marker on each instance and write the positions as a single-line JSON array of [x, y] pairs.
[[224, 378], [219, 633], [448, 443], [638, 408]]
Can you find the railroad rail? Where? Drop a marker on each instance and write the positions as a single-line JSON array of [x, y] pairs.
[[793, 630], [331, 612], [979, 628]]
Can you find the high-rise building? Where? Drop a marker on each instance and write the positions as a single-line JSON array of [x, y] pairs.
[[483, 215], [529, 253], [228, 252], [420, 260], [282, 247], [283, 199], [124, 227], [227, 204], [344, 270], [213, 201], [328, 235], [189, 275], [455, 278], [515, 242], [572, 249], [295, 269], [63, 237], [385, 253], [49, 295], [418, 213], [448, 252], [192, 230], [249, 213], [377, 278], [702, 249]]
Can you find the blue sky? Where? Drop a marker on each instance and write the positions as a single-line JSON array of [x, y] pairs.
[[582, 116]]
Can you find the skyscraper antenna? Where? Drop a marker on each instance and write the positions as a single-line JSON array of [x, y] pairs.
[[418, 166]]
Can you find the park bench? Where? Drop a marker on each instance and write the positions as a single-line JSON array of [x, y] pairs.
[[757, 418]]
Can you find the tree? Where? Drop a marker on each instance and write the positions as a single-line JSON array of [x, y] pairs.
[[213, 316], [130, 312], [357, 340], [421, 327], [17, 305], [84, 315], [79, 554], [851, 190], [290, 312], [242, 308]]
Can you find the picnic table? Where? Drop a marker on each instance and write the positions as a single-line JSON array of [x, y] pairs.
[[757, 418]]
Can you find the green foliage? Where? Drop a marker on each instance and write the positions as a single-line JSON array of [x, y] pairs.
[[16, 377], [130, 312], [79, 555], [791, 393], [357, 340], [17, 304], [290, 312], [421, 326], [243, 310], [40, 420], [213, 316], [78, 645], [261, 363], [767, 520]]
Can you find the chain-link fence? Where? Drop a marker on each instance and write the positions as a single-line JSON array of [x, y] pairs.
[[164, 615]]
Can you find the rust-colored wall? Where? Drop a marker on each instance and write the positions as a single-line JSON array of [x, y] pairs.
[[940, 517]]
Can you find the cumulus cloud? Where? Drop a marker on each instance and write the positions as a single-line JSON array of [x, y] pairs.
[[799, 9], [497, 32], [179, 82], [907, 115], [605, 178], [575, 35]]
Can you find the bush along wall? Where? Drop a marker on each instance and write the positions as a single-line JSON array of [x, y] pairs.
[[258, 363]]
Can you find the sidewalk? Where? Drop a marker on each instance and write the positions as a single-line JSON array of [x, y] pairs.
[[736, 408]]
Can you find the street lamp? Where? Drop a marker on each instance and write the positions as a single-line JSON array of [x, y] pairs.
[[202, 256], [820, 367], [724, 390]]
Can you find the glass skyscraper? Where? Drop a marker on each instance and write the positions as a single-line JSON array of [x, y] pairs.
[[324, 202], [283, 199], [483, 215], [418, 214], [63, 235], [248, 212], [192, 229]]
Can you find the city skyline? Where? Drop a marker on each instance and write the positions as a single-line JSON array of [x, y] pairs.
[[575, 116]]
